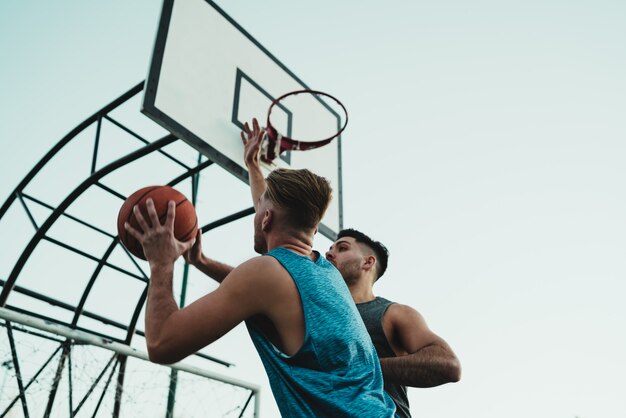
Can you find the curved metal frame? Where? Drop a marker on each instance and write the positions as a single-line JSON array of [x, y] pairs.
[[19, 196]]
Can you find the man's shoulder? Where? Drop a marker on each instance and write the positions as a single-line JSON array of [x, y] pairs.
[[260, 261], [258, 271], [399, 311]]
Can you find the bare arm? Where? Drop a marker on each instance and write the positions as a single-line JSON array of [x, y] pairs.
[[252, 140], [258, 288], [212, 268], [173, 333], [423, 358]]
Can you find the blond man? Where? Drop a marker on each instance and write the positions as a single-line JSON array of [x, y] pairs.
[[317, 353]]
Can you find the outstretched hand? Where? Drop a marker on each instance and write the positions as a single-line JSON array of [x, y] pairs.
[[160, 246], [252, 140]]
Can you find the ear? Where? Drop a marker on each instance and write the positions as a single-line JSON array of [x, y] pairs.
[[369, 261], [266, 223]]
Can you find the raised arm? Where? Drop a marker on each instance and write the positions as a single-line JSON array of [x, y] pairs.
[[423, 358], [252, 140]]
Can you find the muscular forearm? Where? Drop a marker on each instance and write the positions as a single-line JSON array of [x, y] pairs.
[[160, 306], [257, 183], [431, 366], [214, 269]]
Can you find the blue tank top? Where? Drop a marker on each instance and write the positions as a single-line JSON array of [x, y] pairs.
[[336, 372]]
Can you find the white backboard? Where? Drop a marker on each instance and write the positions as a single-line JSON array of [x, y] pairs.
[[208, 76]]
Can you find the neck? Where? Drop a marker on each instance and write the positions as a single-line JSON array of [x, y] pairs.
[[362, 291], [298, 242]]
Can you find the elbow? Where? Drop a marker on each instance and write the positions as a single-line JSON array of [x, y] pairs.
[[454, 371], [160, 354], [159, 358]]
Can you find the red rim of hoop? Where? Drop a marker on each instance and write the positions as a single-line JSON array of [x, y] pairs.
[[287, 143]]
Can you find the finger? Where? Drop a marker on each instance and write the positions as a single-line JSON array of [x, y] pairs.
[[258, 139], [198, 237], [255, 125], [247, 128], [243, 138], [140, 219], [152, 213], [254, 137], [193, 253], [171, 215], [132, 231]]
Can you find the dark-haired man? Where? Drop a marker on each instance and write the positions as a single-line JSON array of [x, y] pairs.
[[410, 353]]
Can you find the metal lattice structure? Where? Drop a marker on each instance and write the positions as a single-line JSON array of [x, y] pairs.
[[68, 239]]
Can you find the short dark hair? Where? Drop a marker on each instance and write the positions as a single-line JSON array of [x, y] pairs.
[[382, 254]]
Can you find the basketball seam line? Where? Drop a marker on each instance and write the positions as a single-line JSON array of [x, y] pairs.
[[195, 226]]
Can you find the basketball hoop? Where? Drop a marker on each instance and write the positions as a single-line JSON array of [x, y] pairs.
[[276, 143]]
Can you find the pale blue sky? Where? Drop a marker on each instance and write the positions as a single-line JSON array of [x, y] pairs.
[[486, 149]]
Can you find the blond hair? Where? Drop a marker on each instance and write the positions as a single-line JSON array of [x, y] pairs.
[[301, 194]]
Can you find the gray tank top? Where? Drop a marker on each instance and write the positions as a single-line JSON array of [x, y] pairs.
[[372, 313]]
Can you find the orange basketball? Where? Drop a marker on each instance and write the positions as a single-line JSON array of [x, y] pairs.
[[185, 223]]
